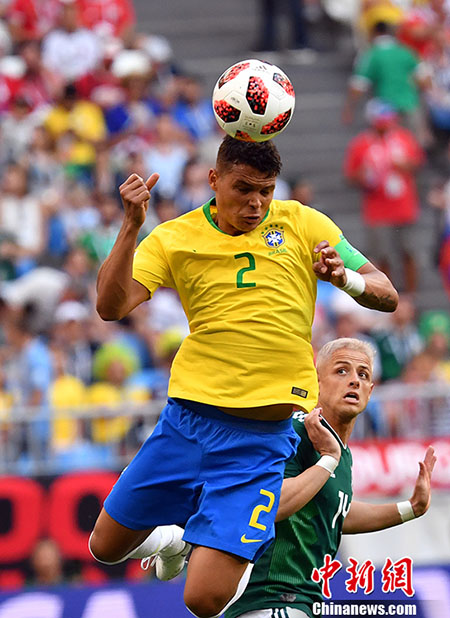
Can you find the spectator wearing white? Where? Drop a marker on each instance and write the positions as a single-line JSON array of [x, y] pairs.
[[21, 214], [70, 50]]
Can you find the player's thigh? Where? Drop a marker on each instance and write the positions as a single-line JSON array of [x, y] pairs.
[[283, 612], [110, 541], [157, 487], [213, 573]]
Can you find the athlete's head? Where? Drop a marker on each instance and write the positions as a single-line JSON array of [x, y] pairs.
[[345, 370], [243, 181], [263, 156]]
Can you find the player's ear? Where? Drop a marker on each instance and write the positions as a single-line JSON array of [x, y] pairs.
[[212, 179]]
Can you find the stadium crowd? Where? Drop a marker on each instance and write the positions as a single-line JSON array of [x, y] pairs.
[[86, 99]]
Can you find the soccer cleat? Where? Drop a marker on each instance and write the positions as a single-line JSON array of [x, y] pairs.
[[170, 559], [168, 567]]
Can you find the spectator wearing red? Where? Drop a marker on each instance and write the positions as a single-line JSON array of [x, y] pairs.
[[108, 18], [32, 19], [382, 162]]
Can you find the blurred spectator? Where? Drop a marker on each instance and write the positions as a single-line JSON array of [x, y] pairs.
[[382, 161], [303, 191], [114, 364], [12, 70], [17, 206], [194, 190], [437, 98], [373, 11], [108, 18], [164, 70], [70, 51], [78, 127], [46, 563], [439, 198], [394, 74], [270, 13], [98, 240], [16, 129], [193, 110], [421, 24], [138, 111], [44, 287], [349, 324], [70, 336], [32, 19], [435, 329], [100, 85], [156, 379], [45, 170], [400, 341], [29, 374], [168, 155], [165, 208], [38, 84], [79, 214]]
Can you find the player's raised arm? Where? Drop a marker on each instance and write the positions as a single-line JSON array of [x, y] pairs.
[[299, 490], [368, 285], [117, 292], [365, 517]]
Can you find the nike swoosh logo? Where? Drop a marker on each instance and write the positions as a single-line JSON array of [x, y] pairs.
[[245, 540]]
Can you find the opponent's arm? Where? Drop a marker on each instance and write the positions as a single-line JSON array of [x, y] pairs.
[[117, 292], [377, 292], [299, 490], [364, 517]]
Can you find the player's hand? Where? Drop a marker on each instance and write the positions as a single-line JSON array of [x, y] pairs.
[[329, 266], [135, 195], [322, 439], [420, 500]]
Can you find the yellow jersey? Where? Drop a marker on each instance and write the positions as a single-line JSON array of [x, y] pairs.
[[249, 300]]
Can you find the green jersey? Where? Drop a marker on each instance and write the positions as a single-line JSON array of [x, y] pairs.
[[282, 576], [390, 68]]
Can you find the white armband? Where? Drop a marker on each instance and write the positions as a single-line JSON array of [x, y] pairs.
[[327, 462], [356, 283], [406, 510]]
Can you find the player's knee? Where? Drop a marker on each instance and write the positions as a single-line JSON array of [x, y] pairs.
[[205, 605], [101, 550]]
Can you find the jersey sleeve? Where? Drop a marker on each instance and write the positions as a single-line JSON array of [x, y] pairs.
[[150, 264], [323, 228]]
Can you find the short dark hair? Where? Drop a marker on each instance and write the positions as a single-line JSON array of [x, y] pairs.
[[263, 156]]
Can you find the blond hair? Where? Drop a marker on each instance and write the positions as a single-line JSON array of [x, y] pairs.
[[345, 343]]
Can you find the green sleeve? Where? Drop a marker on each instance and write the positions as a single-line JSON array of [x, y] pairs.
[[351, 257]]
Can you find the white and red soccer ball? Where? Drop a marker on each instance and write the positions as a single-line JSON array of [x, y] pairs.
[[253, 100]]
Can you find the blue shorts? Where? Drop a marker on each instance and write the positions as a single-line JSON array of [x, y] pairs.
[[218, 476]]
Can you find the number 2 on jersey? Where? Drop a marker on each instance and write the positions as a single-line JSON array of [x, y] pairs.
[[240, 274]]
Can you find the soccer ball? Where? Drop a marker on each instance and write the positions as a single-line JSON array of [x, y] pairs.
[[253, 100]]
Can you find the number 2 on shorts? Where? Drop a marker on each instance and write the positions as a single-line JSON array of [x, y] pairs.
[[262, 508]]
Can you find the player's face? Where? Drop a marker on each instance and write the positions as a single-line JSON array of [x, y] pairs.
[[243, 196], [345, 382]]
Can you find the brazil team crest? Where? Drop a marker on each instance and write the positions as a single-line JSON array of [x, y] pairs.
[[273, 236]]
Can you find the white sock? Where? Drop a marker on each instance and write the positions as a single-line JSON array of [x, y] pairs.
[[160, 539], [242, 585]]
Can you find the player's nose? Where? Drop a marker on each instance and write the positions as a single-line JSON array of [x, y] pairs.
[[255, 202]]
